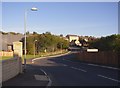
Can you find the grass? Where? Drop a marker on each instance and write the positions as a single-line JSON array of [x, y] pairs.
[[32, 56], [44, 54], [6, 57]]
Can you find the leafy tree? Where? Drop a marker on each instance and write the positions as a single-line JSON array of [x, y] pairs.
[[27, 33], [34, 33], [45, 41], [108, 43], [61, 35]]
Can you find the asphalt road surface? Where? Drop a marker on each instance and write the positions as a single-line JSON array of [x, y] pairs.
[[63, 71]]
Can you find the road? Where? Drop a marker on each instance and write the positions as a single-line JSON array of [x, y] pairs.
[[63, 71]]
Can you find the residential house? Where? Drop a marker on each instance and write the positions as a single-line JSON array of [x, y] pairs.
[[8, 39]]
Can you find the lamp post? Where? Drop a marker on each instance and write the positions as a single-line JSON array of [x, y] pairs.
[[34, 47], [25, 22], [61, 47]]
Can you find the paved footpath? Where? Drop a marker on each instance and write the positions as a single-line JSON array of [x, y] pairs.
[[33, 76]]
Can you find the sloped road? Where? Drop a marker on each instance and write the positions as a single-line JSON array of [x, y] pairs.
[[65, 72]]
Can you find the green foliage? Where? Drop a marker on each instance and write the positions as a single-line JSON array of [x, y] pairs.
[[6, 57], [27, 33], [34, 33], [109, 43], [45, 41], [13, 33], [6, 33]]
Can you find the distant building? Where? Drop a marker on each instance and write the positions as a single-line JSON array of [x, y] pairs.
[[8, 39], [72, 38], [78, 43]]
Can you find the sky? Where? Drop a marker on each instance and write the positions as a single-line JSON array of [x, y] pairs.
[[60, 0], [78, 18]]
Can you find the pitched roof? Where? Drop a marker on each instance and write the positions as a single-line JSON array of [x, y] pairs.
[[72, 35]]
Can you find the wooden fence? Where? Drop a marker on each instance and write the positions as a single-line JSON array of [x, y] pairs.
[[106, 58]]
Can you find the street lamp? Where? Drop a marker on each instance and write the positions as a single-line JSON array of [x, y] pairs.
[[61, 47], [25, 21], [34, 9], [34, 47]]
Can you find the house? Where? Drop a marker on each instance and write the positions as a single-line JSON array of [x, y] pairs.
[[8, 39], [72, 37], [74, 40]]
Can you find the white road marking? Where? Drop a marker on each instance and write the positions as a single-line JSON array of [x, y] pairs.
[[109, 78], [43, 72], [65, 65], [78, 69], [68, 60], [94, 65], [50, 81], [104, 66]]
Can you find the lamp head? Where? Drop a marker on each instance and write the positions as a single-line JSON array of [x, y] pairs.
[[34, 9]]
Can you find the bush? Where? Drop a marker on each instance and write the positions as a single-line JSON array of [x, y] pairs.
[[108, 43]]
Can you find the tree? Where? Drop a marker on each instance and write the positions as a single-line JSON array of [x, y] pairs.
[[27, 33], [46, 41], [61, 35], [34, 33], [108, 43]]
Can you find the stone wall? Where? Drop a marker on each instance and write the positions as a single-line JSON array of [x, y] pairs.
[[11, 68]]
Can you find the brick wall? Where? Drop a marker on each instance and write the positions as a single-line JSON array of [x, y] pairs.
[[11, 68]]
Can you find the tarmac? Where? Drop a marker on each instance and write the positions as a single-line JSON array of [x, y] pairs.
[[33, 76]]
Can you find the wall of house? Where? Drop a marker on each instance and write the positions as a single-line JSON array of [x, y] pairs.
[[73, 38], [9, 39]]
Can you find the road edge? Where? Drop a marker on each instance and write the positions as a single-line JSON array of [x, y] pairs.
[[50, 81], [49, 56]]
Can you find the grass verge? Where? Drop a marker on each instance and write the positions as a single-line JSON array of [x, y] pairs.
[[32, 56], [6, 57]]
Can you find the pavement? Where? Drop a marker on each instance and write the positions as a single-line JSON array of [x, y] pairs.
[[62, 71], [33, 76]]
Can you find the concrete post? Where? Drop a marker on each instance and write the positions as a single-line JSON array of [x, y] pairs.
[[17, 47]]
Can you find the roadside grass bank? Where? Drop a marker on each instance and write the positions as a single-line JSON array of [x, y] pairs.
[[6, 57], [44, 55], [36, 56]]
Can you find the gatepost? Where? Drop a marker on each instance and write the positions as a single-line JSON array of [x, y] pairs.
[[17, 47]]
